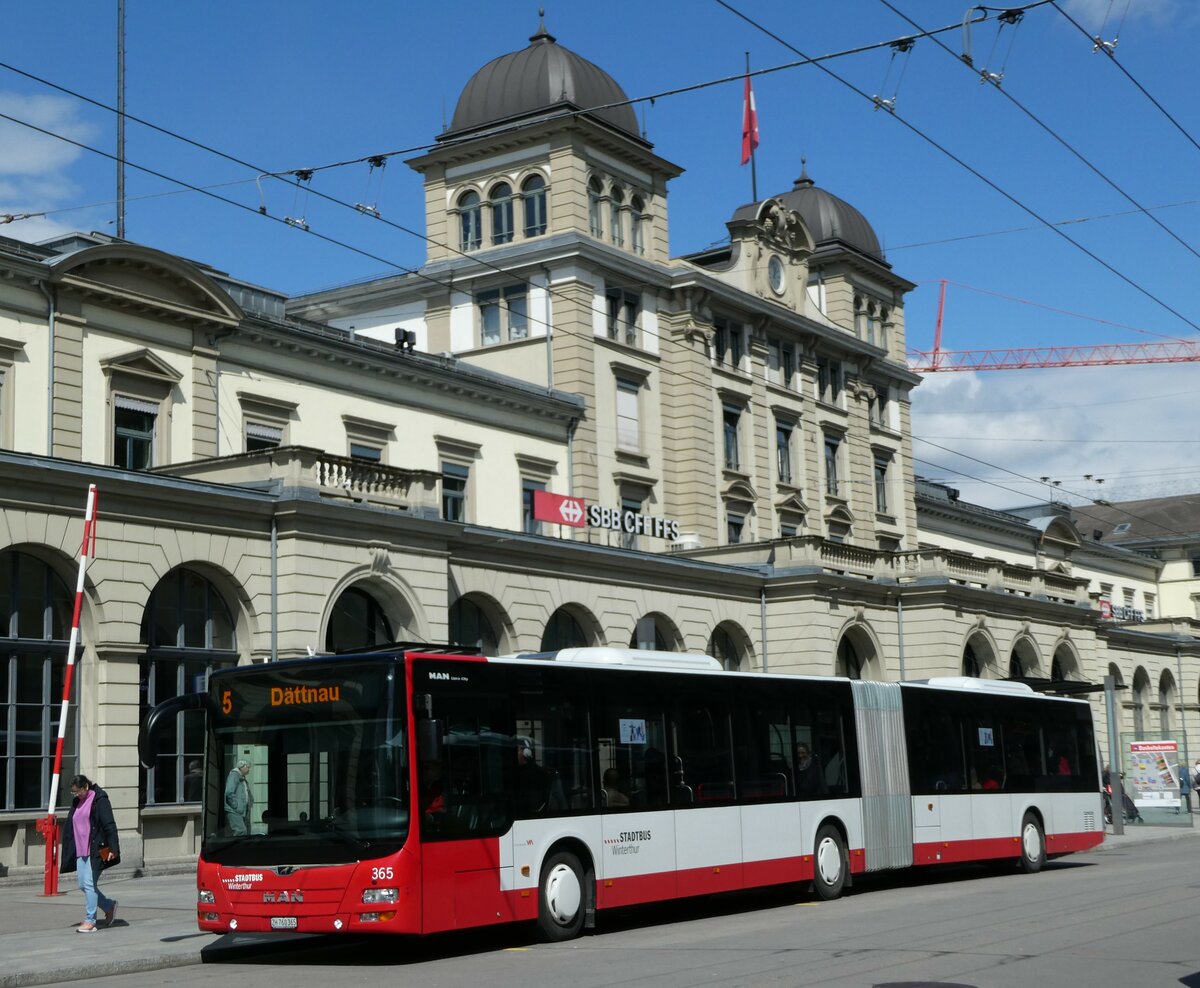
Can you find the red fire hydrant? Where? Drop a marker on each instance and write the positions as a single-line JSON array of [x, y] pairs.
[[47, 826]]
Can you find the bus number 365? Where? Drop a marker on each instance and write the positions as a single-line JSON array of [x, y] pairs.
[[381, 874]]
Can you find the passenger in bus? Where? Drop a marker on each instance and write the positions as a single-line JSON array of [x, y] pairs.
[[238, 799], [533, 782], [614, 788], [433, 794], [810, 780]]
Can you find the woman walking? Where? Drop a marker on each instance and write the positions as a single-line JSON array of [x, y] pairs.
[[90, 844]]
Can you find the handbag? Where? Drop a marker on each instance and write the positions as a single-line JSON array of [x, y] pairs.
[[108, 857]]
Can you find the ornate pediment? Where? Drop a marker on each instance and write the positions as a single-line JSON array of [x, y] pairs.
[[141, 363]]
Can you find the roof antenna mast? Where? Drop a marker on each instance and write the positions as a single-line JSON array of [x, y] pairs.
[[121, 119]]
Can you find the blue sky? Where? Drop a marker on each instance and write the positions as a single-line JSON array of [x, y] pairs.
[[304, 84]]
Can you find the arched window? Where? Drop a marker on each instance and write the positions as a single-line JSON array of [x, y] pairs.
[[533, 194], [1014, 667], [724, 649], [358, 621], [502, 213], [35, 620], [616, 206], [849, 664], [637, 236], [661, 644], [971, 665], [595, 198], [562, 631], [470, 222], [188, 632], [469, 625], [1056, 670], [1141, 690], [1166, 704]]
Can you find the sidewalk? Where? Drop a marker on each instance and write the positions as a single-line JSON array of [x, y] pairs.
[[155, 926]]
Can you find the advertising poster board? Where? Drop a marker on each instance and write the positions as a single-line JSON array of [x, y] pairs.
[[1152, 775]]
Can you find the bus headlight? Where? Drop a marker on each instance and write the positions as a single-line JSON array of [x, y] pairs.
[[380, 895], [206, 897]]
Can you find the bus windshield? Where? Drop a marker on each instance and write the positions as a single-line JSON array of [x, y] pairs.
[[306, 764]]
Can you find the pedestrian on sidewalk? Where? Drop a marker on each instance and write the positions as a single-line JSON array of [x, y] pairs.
[[1186, 784], [90, 844]]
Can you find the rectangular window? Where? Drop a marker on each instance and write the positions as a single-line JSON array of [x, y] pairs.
[[731, 416], [788, 369], [878, 408], [503, 315], [259, 435], [361, 451], [783, 450], [629, 540], [628, 429], [1150, 600], [489, 317], [134, 422], [787, 530], [832, 445], [829, 380], [454, 491], [727, 343], [881, 479], [528, 523], [774, 361], [623, 311], [735, 526], [516, 300]]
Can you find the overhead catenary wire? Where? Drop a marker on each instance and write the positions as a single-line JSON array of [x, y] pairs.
[[1128, 75], [1084, 497], [970, 168], [1062, 141]]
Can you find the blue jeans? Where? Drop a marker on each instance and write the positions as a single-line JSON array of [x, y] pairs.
[[92, 896]]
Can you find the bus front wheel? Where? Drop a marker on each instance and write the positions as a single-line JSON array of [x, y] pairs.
[[830, 863], [561, 897], [1033, 845]]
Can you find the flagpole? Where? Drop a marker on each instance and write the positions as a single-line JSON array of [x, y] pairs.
[[753, 147]]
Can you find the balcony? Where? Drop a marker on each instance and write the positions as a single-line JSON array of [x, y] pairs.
[[328, 475]]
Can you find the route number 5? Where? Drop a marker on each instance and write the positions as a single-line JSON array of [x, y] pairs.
[[226, 702]]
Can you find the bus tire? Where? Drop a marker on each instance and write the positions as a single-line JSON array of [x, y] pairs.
[[561, 898], [1033, 845], [830, 863]]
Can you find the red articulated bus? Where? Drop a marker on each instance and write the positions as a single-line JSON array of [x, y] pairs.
[[416, 791]]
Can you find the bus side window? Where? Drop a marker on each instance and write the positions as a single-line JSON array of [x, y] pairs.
[[553, 751], [702, 766], [632, 738]]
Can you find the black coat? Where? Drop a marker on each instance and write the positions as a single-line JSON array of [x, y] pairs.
[[104, 831]]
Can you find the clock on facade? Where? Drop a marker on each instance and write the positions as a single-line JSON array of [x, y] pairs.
[[775, 274]]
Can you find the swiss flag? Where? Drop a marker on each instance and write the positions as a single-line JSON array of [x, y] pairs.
[[749, 124]]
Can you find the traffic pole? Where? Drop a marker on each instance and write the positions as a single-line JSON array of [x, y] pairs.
[[48, 826]]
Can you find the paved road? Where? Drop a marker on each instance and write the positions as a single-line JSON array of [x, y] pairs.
[[1126, 917]]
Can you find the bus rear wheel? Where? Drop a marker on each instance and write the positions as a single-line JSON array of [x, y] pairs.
[[1033, 845], [830, 863], [561, 897]]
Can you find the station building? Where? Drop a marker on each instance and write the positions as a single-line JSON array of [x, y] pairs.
[[280, 476]]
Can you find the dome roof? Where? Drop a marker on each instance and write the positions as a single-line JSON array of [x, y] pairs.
[[828, 218], [537, 79]]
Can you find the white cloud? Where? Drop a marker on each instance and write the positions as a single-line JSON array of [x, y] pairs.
[[1132, 427], [35, 168], [1094, 13]]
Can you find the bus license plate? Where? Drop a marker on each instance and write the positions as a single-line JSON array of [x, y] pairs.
[[283, 922]]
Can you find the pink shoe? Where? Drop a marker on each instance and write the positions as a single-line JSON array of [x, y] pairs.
[[86, 928]]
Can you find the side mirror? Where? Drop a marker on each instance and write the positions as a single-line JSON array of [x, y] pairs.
[[158, 719]]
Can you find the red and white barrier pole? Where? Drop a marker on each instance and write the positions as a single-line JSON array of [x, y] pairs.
[[48, 827]]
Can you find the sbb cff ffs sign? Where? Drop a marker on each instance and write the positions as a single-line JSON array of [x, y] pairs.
[[558, 509], [561, 510]]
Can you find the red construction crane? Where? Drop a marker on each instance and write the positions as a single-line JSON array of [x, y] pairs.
[[1025, 358]]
